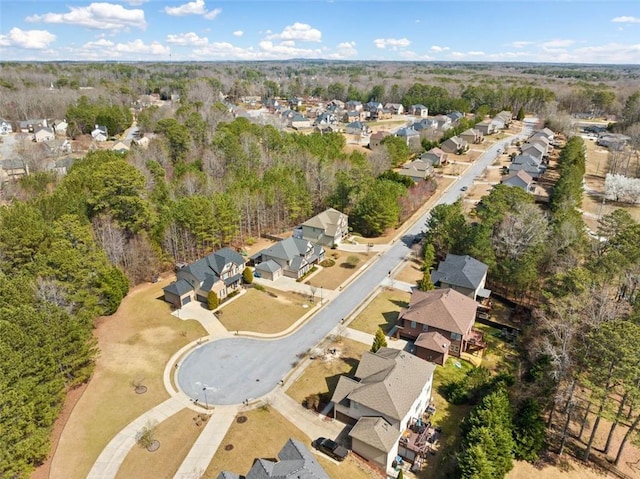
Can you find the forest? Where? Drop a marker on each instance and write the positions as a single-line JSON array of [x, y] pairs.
[[71, 246]]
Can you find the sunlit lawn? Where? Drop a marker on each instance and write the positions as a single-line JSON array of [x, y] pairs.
[[382, 312], [333, 276], [176, 435], [262, 436], [263, 311], [410, 272], [135, 344], [322, 375], [500, 354]]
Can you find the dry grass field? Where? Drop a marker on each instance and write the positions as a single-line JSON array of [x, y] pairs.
[[567, 469], [333, 276], [135, 344], [410, 272], [262, 435], [382, 312], [321, 376], [268, 312], [176, 435]]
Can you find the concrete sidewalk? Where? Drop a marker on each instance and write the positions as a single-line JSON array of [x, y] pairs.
[[367, 338], [197, 460], [111, 457], [196, 311]]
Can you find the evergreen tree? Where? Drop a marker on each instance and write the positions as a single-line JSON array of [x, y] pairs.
[[213, 301], [379, 341], [247, 276]]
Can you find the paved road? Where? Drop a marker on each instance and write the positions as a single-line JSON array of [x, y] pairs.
[[231, 370]]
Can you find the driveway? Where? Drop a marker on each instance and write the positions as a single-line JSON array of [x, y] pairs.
[[231, 370]]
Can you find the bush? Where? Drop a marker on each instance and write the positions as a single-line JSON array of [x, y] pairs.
[[327, 263], [212, 300], [312, 401], [259, 287], [352, 261], [247, 275], [233, 294]]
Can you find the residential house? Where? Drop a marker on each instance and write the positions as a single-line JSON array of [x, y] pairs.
[[5, 127], [220, 272], [326, 118], [271, 104], [531, 165], [295, 256], [60, 127], [547, 132], [121, 147], [417, 170], [505, 116], [455, 116], [435, 156], [455, 144], [57, 147], [432, 347], [295, 462], [613, 141], [13, 169], [395, 108], [373, 108], [43, 134], [445, 311], [486, 127], [357, 128], [411, 136], [30, 126], [465, 274], [268, 270], [519, 179], [541, 140], [472, 136], [353, 105], [498, 124], [300, 122], [419, 110], [444, 122], [295, 103], [328, 228], [425, 124], [536, 150], [376, 138], [389, 390], [337, 103], [326, 129], [99, 133], [384, 114]]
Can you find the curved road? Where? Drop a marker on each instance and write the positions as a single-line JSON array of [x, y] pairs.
[[228, 371]]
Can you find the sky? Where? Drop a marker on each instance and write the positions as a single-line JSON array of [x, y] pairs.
[[560, 31]]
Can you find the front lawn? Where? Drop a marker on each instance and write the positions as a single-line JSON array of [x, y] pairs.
[[322, 375], [269, 311], [333, 276], [382, 312], [262, 435]]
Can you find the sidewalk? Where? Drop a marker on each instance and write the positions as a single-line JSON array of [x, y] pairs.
[[111, 457], [367, 338], [196, 311], [197, 460]]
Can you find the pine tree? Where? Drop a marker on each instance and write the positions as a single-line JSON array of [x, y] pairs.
[[212, 300], [425, 283], [379, 341], [247, 276]]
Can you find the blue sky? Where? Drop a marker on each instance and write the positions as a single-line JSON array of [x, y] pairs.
[[585, 31]]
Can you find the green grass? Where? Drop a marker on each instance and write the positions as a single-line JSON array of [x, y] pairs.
[[382, 312]]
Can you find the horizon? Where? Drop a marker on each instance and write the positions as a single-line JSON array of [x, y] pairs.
[[583, 32]]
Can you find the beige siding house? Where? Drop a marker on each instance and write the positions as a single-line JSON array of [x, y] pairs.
[[328, 228]]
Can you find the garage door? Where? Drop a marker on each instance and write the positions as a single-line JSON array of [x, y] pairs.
[[186, 300]]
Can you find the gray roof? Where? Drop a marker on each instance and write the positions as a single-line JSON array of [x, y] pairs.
[[329, 220], [407, 132], [178, 288], [390, 382], [296, 462], [463, 271], [287, 249], [518, 178], [376, 432], [214, 263], [269, 266]]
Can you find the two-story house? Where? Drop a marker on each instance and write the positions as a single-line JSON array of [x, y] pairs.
[[328, 228], [445, 311], [291, 257], [419, 110], [5, 127], [435, 156], [463, 273], [220, 272], [389, 389]]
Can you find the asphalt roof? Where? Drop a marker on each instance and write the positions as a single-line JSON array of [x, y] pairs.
[[444, 309], [463, 271]]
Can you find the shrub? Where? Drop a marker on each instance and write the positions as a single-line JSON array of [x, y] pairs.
[[352, 261], [327, 263], [212, 300], [233, 294], [259, 287], [247, 275]]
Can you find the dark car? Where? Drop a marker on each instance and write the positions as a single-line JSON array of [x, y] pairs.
[[464, 188], [331, 448]]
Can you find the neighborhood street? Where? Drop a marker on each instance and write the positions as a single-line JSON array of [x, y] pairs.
[[231, 370]]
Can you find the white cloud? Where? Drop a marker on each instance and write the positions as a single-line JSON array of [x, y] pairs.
[[213, 13], [30, 39], [298, 31], [557, 44], [100, 16], [98, 44], [438, 49], [238, 33], [475, 53], [411, 55], [521, 44], [281, 51], [138, 46], [288, 43], [187, 39], [343, 51], [135, 2], [626, 19], [196, 7], [224, 50], [392, 43]]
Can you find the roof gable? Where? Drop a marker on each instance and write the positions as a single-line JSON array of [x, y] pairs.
[[463, 271], [444, 309]]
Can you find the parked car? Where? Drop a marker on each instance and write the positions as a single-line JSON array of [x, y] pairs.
[[331, 448], [464, 188]]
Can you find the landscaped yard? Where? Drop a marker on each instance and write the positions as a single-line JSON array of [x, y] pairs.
[[382, 312], [135, 344], [410, 272], [176, 435], [500, 354], [267, 311], [262, 435], [321, 376], [333, 276]]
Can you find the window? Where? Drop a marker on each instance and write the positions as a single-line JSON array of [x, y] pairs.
[[456, 336], [413, 324], [425, 327]]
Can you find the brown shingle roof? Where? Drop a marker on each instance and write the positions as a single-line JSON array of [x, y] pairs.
[[433, 341], [376, 432], [444, 309]]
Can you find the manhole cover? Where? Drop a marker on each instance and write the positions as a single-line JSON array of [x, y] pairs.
[[228, 447], [241, 419], [141, 389]]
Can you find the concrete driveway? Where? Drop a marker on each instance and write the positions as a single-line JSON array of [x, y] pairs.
[[230, 370]]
